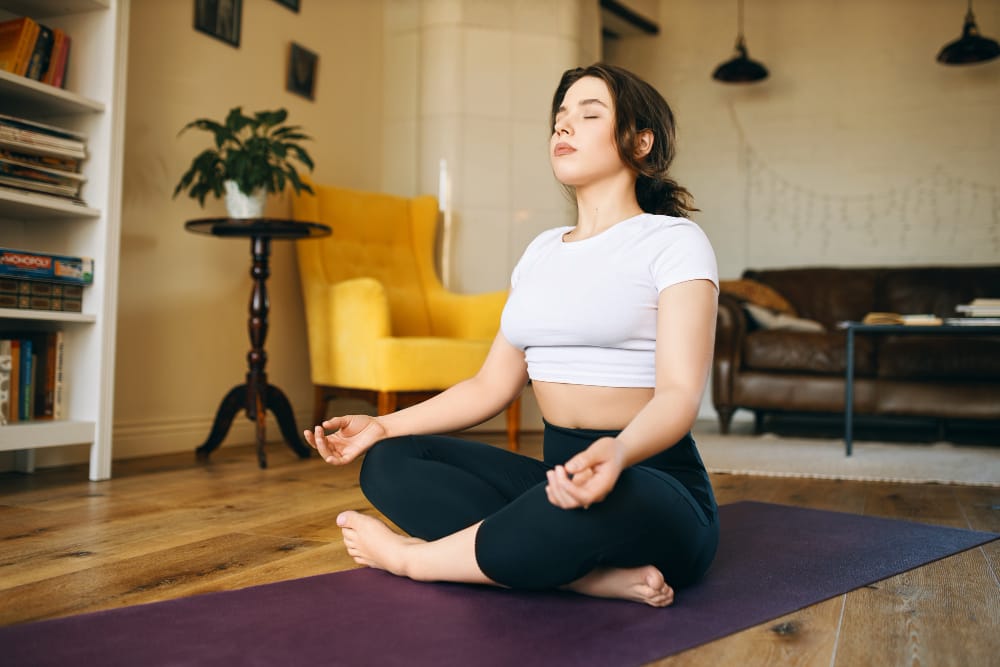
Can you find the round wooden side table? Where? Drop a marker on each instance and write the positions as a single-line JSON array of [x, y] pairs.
[[256, 396]]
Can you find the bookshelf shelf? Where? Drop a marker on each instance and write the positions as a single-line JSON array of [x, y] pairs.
[[37, 206], [46, 316], [20, 91], [47, 8], [46, 434], [92, 105]]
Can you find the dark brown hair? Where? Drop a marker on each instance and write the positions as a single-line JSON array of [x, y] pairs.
[[638, 107]]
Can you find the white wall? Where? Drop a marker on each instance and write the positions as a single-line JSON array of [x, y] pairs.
[[182, 336], [860, 149]]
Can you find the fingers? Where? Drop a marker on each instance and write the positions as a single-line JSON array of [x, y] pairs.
[[570, 493], [331, 447]]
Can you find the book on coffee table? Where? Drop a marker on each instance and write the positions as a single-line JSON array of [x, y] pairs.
[[919, 319], [980, 308]]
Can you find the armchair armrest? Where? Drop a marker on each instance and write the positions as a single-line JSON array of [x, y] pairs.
[[467, 316], [344, 320]]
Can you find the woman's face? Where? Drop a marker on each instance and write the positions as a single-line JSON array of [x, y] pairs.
[[582, 149]]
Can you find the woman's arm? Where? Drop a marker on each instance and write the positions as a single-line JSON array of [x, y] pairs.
[[685, 332]]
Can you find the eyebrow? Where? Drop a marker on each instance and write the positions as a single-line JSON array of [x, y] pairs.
[[588, 101]]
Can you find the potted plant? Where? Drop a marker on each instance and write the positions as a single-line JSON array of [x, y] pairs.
[[253, 156]]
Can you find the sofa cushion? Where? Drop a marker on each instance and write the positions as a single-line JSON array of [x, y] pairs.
[[757, 293], [765, 318], [823, 353], [939, 357]]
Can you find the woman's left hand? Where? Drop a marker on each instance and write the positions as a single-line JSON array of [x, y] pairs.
[[588, 477]]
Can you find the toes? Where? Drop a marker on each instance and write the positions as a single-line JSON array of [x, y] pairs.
[[346, 519]]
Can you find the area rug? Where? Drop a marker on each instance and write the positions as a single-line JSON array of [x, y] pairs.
[[772, 561], [781, 456]]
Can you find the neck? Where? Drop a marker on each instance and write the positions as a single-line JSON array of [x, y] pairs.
[[602, 205]]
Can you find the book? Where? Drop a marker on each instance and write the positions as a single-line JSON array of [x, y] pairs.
[[31, 376], [5, 361], [40, 295], [46, 393], [61, 64], [17, 43], [34, 133], [67, 165], [15, 380], [920, 319], [59, 384], [40, 179], [58, 42], [44, 266], [25, 387], [980, 308], [40, 54]]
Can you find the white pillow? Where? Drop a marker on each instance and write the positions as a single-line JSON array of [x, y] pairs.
[[772, 319]]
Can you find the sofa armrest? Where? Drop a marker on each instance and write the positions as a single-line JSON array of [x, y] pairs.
[[466, 316], [730, 334]]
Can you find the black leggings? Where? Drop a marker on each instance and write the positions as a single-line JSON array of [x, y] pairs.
[[661, 512]]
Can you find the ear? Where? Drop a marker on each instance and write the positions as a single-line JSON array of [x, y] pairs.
[[644, 143]]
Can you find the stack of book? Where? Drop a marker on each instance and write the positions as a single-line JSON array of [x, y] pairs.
[[33, 50], [41, 158], [919, 319], [31, 376], [978, 312], [42, 281]]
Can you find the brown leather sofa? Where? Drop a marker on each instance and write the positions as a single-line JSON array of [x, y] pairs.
[[793, 367]]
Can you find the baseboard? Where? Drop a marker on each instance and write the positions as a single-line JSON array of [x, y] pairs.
[[140, 438]]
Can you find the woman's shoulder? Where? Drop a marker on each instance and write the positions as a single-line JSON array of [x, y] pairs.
[[669, 230]]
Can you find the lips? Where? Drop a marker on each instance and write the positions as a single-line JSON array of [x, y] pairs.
[[563, 148]]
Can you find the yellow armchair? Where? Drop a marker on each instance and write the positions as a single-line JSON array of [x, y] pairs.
[[381, 326]]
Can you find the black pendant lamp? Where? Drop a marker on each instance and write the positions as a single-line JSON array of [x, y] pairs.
[[741, 69], [971, 47]]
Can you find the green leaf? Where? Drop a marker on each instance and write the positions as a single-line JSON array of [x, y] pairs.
[[259, 150]]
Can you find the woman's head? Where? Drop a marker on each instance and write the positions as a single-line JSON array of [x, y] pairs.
[[640, 114]]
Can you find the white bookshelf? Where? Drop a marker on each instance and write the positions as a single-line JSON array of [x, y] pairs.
[[92, 103]]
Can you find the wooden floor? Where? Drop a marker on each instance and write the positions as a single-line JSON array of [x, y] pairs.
[[167, 527]]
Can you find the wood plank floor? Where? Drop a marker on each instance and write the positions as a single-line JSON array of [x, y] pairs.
[[167, 527]]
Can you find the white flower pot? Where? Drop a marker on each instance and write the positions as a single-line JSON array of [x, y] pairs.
[[241, 205]]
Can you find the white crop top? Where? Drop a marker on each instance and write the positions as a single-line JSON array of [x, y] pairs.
[[584, 312]]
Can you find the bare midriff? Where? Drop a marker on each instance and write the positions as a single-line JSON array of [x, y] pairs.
[[588, 406]]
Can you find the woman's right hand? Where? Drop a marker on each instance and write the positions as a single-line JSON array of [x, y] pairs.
[[348, 437]]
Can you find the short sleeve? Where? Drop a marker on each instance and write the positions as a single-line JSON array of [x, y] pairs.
[[686, 255]]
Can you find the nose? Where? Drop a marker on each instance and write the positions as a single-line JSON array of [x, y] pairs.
[[562, 127]]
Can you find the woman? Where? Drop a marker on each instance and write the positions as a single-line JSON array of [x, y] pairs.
[[613, 320]]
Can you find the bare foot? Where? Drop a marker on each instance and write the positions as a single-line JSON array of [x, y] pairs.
[[638, 584], [370, 542]]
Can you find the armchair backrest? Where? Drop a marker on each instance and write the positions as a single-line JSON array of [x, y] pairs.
[[381, 236]]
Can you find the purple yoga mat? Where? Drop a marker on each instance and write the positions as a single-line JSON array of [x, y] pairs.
[[772, 560]]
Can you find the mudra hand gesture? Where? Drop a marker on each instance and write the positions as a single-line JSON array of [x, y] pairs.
[[588, 477], [348, 437]]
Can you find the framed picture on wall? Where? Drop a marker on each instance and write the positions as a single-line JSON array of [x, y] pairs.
[[302, 71], [291, 4], [219, 18]]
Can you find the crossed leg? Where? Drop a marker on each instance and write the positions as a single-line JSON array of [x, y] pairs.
[[479, 514], [453, 558]]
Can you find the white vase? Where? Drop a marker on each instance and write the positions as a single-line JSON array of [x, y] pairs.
[[242, 205]]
